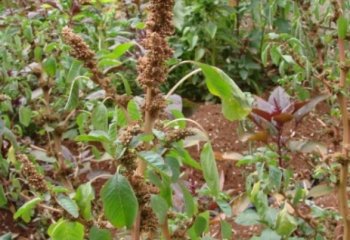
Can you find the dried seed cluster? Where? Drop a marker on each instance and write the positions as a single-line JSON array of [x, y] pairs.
[[129, 132], [35, 179], [81, 51], [152, 67], [176, 135], [143, 191]]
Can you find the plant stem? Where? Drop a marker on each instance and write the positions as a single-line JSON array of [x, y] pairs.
[[342, 191], [165, 229]]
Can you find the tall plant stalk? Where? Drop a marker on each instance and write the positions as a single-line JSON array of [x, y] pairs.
[[344, 159], [152, 73]]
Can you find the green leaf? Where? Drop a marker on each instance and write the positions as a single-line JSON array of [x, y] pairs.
[[286, 224], [99, 117], [156, 161], [66, 230], [25, 115], [342, 27], [190, 204], [94, 136], [6, 236], [134, 111], [226, 230], [50, 66], [85, 194], [120, 50], [200, 225], [210, 170], [99, 234], [160, 207], [235, 105], [211, 29], [74, 71], [73, 98], [247, 218], [120, 204], [3, 199], [26, 210], [68, 204], [269, 234]]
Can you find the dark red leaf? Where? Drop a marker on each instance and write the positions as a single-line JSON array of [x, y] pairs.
[[279, 98], [262, 113], [298, 115], [283, 118], [263, 105]]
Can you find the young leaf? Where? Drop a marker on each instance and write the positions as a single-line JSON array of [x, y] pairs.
[[85, 194], [342, 27], [64, 229], [120, 204], [26, 210], [134, 111], [160, 207], [25, 115], [99, 234], [68, 204], [279, 98], [210, 170], [99, 117]]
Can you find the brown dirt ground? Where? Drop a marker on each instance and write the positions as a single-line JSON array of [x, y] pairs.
[[226, 135]]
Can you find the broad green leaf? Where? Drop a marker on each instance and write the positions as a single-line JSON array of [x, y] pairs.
[[134, 111], [247, 218], [286, 224], [3, 199], [50, 66], [26, 210], [269, 234], [226, 230], [120, 204], [156, 161], [66, 230], [200, 225], [68, 204], [120, 50], [94, 136], [210, 170], [160, 207], [235, 105], [342, 23], [108, 63], [84, 195], [99, 234], [99, 117], [25, 115]]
